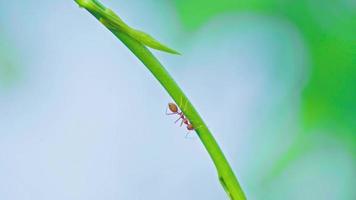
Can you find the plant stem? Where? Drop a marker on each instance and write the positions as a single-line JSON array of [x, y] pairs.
[[225, 173]]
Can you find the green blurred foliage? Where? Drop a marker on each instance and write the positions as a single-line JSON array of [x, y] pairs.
[[328, 27], [9, 71]]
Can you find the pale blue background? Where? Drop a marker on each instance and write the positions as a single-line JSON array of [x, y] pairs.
[[82, 119]]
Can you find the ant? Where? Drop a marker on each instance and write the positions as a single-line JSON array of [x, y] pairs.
[[175, 111]]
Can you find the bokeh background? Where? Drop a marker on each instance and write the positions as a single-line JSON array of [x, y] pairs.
[[81, 118]]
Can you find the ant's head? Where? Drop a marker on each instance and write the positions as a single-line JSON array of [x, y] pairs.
[[173, 107], [190, 127]]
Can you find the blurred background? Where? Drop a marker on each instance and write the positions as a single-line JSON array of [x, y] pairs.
[[82, 119]]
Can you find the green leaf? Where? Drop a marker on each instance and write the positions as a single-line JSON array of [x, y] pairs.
[[133, 40], [115, 23]]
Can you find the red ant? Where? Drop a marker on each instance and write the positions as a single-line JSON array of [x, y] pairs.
[[174, 109]]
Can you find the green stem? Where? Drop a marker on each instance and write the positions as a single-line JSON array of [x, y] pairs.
[[225, 173]]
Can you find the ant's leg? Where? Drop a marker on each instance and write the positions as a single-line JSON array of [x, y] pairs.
[[189, 134], [180, 117], [183, 120]]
